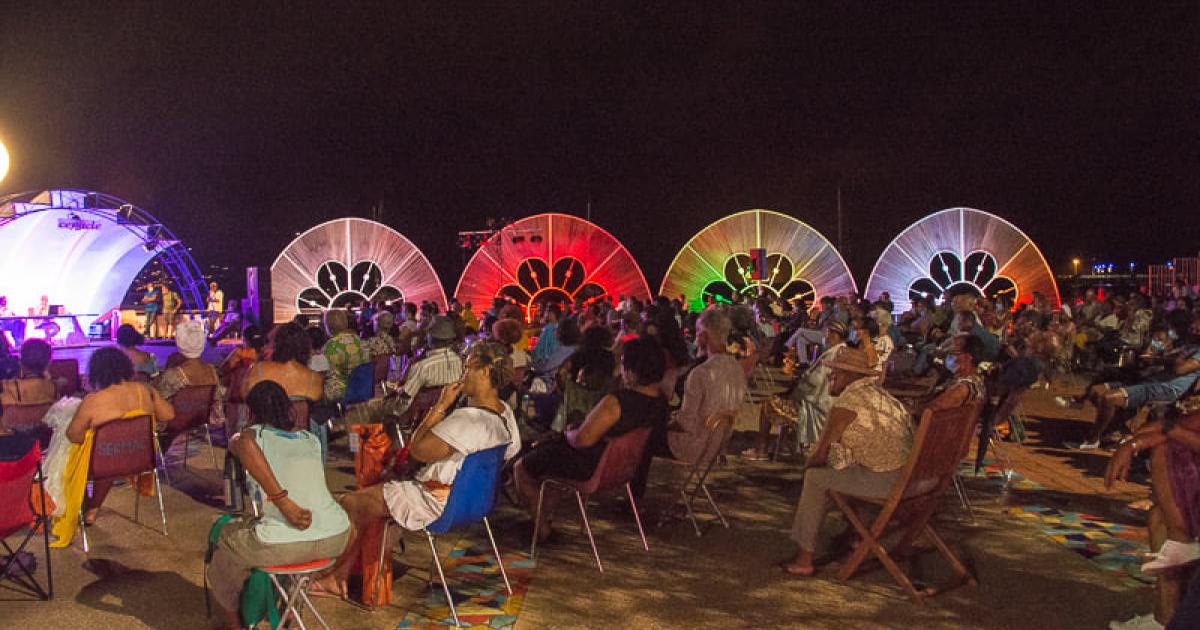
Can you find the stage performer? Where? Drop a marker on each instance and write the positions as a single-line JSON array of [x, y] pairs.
[[152, 300], [216, 304]]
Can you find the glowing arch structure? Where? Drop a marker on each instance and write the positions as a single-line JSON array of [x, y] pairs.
[[961, 248], [346, 261], [801, 262], [83, 249], [551, 255]]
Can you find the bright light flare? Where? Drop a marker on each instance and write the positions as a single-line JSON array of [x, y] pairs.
[[4, 161]]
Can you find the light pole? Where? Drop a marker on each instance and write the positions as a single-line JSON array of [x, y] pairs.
[[1075, 265]]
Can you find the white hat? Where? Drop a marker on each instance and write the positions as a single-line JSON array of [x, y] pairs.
[[190, 338]]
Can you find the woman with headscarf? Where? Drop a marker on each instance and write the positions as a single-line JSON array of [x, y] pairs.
[[190, 339]]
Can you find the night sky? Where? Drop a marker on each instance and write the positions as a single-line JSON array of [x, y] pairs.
[[238, 129]]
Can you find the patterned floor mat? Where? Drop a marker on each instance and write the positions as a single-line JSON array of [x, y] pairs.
[[1110, 546], [478, 590]]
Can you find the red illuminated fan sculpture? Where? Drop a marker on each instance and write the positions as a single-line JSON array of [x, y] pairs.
[[550, 257]]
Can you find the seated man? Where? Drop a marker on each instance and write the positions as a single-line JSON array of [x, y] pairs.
[[1168, 386], [443, 440], [717, 385], [861, 451], [807, 405], [32, 386], [805, 337], [440, 366]]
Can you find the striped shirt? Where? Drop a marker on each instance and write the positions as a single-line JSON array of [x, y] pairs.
[[439, 367]]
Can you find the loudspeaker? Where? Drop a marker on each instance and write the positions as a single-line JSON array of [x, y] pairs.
[[258, 308]]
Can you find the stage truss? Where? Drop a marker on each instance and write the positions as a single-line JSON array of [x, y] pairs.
[[800, 262], [961, 249], [346, 261], [550, 256], [83, 249]]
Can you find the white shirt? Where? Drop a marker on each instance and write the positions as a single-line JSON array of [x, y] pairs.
[[216, 301], [468, 430]]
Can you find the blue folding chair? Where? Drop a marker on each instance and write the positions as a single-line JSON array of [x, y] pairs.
[[471, 498], [360, 386]]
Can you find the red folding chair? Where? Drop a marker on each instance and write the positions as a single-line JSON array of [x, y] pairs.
[[16, 478], [25, 418], [125, 448], [193, 406], [940, 442], [618, 466], [65, 374]]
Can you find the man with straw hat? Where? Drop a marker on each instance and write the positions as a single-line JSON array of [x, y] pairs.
[[861, 450]]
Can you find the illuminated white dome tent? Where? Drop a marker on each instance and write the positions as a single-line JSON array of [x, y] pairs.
[[801, 262], [345, 261], [961, 249], [82, 249]]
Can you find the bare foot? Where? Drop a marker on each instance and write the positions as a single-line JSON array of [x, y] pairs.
[[792, 568], [328, 586]]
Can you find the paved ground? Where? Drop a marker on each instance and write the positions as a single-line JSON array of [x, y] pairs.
[[137, 578]]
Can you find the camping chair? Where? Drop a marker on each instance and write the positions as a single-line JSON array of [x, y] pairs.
[[28, 419], [125, 448], [618, 466], [720, 427], [193, 405], [471, 498], [16, 477], [65, 374], [930, 468]]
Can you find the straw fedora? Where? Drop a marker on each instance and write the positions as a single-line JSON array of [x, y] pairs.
[[851, 360]]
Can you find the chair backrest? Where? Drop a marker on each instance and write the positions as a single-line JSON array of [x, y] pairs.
[[381, 364], [24, 418], [619, 463], [192, 404], [122, 447], [360, 387], [421, 403], [300, 411], [720, 428], [474, 490], [15, 480], [65, 373], [236, 378], [936, 452]]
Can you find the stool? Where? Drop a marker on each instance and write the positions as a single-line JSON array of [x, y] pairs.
[[301, 576]]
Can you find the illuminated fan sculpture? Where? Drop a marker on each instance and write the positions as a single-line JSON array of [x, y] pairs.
[[550, 257], [961, 250], [800, 263], [347, 261]]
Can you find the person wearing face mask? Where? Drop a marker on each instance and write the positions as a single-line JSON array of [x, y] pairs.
[[807, 404], [964, 386]]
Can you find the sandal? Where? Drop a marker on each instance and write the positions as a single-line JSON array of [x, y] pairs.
[[316, 588], [795, 569]]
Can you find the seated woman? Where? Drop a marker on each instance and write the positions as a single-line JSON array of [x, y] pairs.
[[1174, 445], [861, 451], [577, 452], [964, 386], [191, 340], [344, 351], [144, 363], [568, 336], [245, 355], [300, 521], [32, 386], [288, 366], [585, 377], [443, 439], [115, 396]]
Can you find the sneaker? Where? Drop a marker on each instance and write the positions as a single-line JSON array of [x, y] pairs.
[[1172, 554], [1083, 446], [1140, 622]]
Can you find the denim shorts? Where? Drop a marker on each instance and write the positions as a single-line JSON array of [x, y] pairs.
[[1155, 391]]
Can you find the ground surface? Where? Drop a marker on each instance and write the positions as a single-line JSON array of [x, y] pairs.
[[1020, 548]]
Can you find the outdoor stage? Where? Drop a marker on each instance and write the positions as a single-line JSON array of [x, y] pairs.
[[161, 349]]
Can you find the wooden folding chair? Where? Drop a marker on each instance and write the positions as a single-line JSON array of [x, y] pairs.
[[941, 439]]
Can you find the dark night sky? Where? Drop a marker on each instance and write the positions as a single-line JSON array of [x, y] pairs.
[[238, 129]]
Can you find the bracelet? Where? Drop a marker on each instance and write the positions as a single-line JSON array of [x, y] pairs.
[[271, 498]]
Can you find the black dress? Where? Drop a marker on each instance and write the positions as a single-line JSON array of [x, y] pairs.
[[557, 458]]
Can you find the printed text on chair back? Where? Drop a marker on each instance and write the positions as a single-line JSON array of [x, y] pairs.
[[192, 406], [474, 490], [24, 418], [122, 447]]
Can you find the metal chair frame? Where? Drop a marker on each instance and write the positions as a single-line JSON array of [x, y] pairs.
[[300, 577], [719, 429], [162, 512]]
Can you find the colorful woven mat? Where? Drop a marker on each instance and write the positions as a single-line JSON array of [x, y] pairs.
[[1111, 546], [478, 590]]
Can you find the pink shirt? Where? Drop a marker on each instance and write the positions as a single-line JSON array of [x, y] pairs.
[[717, 385]]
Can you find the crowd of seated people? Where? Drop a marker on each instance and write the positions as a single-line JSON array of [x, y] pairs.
[[615, 364]]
